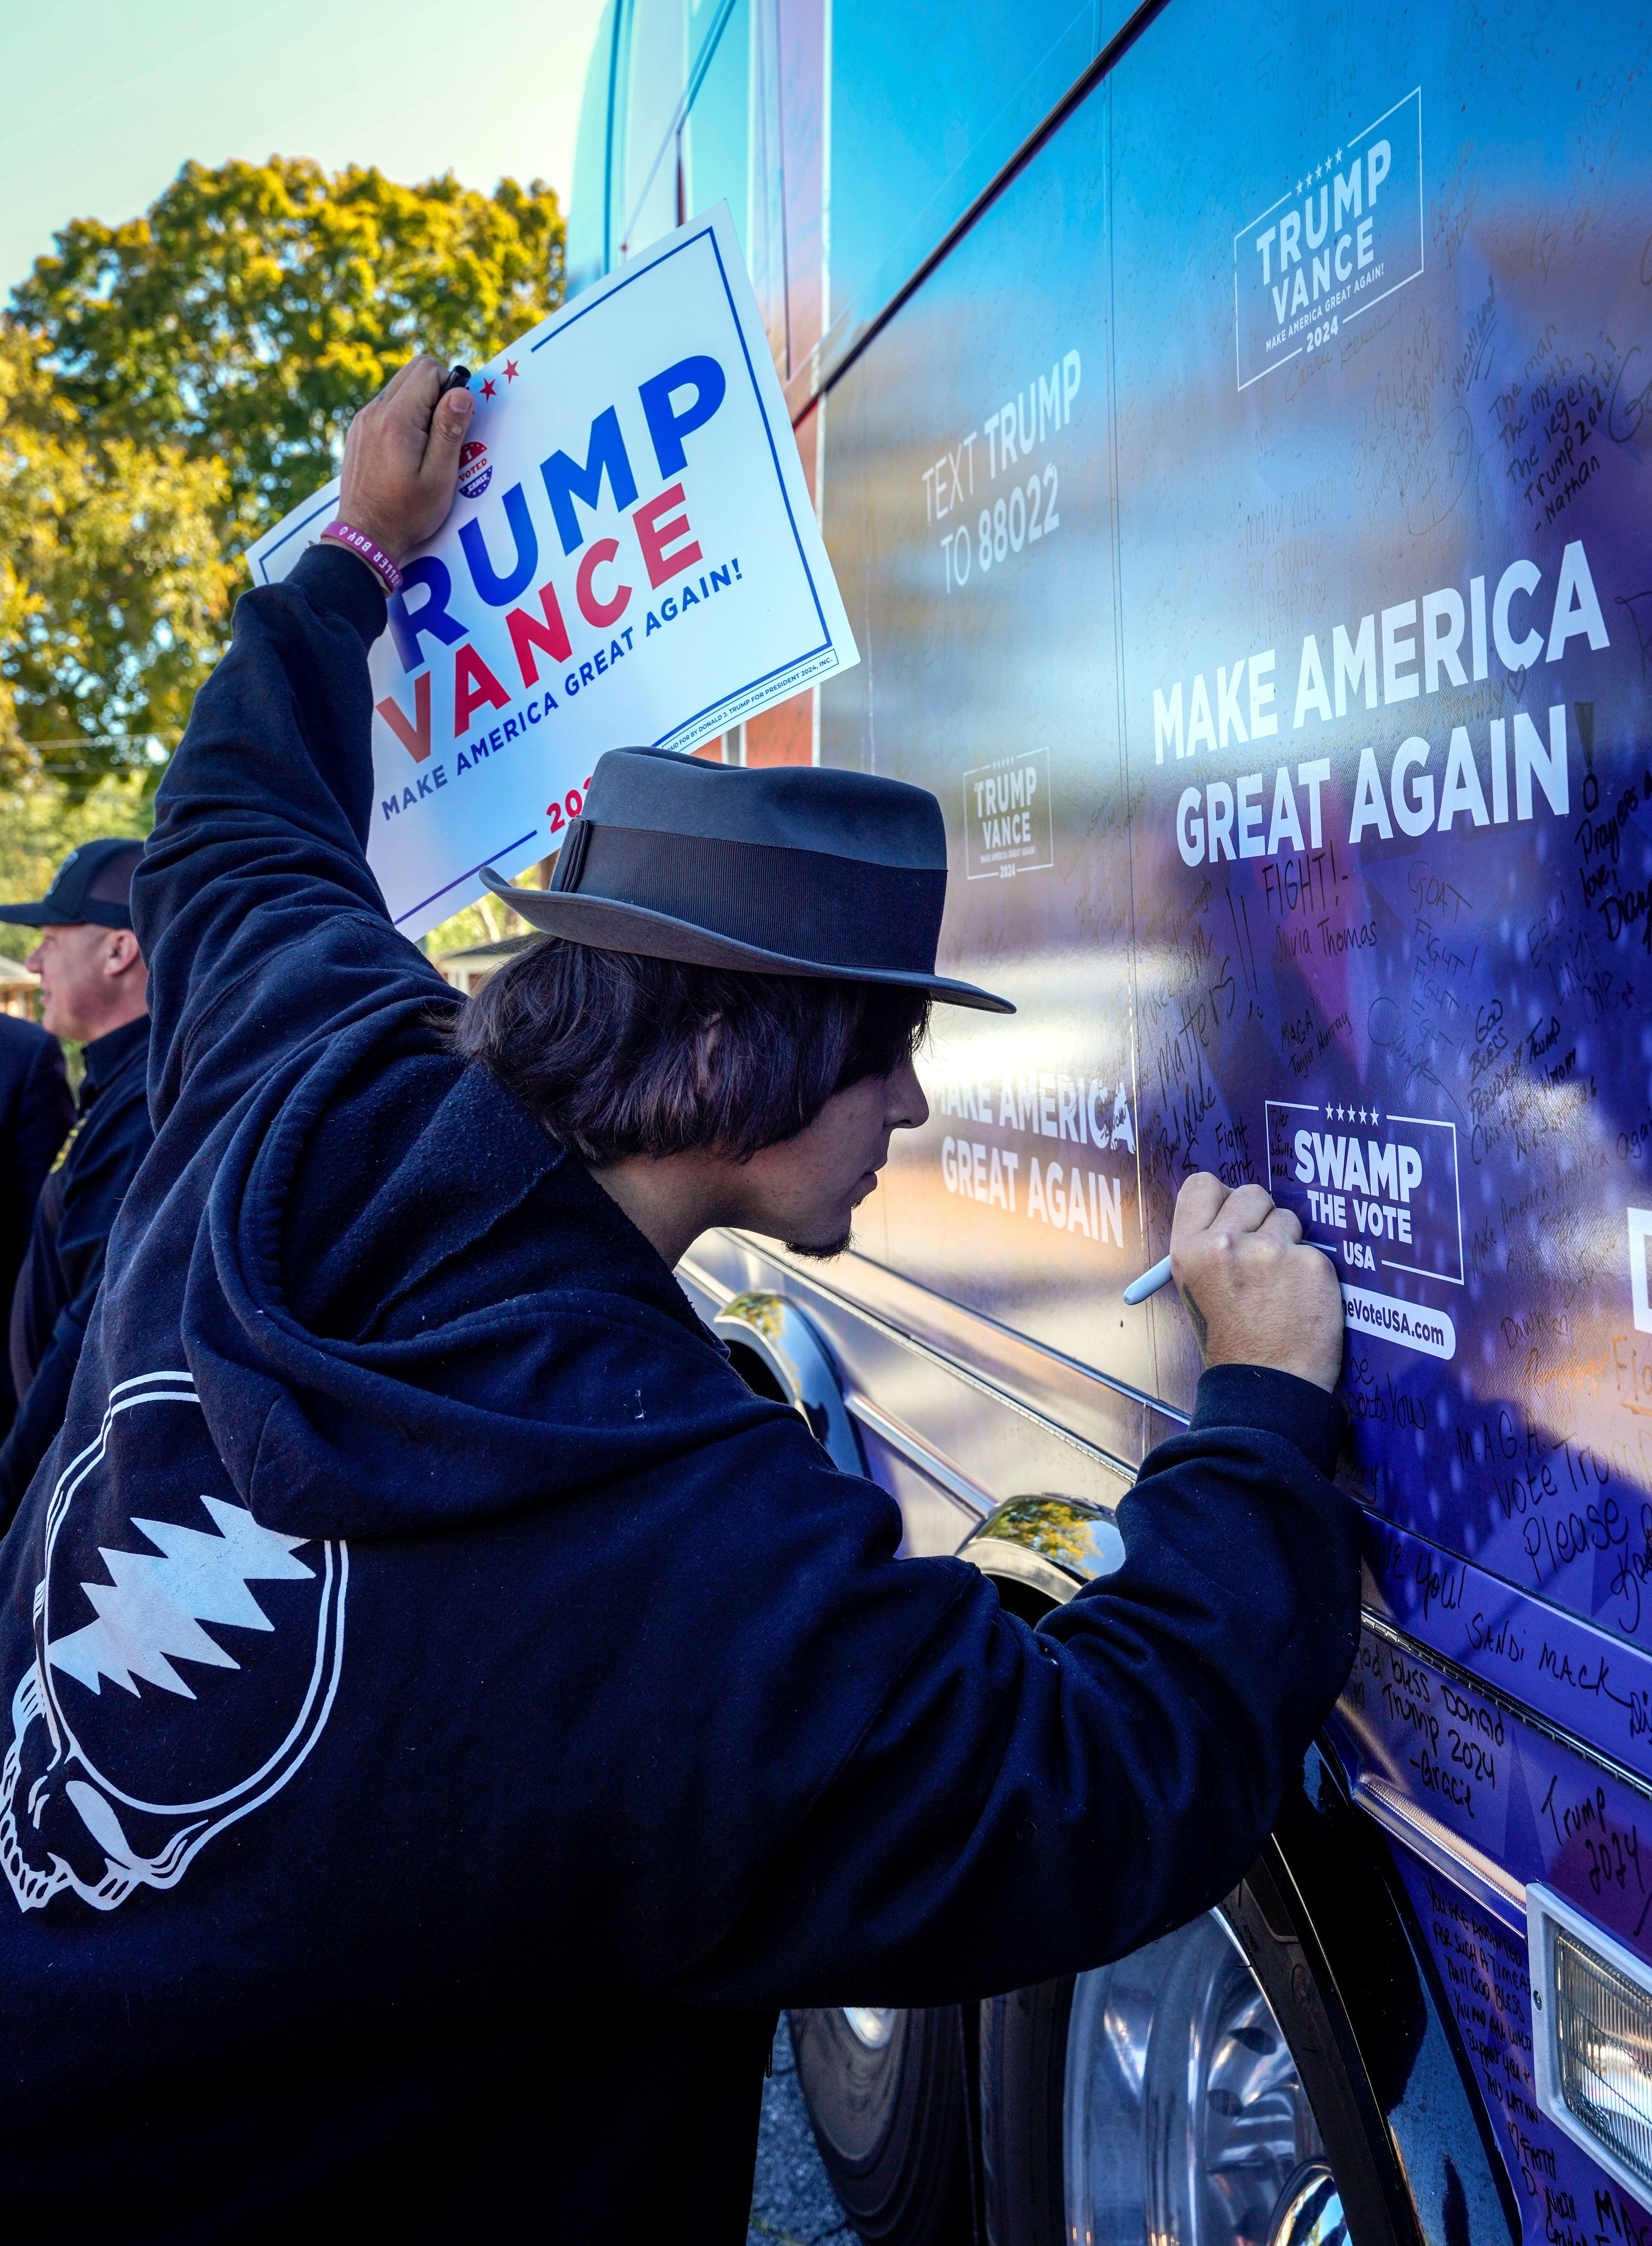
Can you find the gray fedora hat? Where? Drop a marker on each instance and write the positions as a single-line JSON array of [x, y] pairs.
[[788, 870]]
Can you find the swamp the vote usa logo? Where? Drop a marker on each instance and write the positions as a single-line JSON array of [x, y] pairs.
[[185, 1660], [1382, 1193]]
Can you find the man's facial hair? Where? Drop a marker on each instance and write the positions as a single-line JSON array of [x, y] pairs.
[[821, 1252]]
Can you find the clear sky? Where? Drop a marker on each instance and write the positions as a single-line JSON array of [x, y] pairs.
[[105, 99]]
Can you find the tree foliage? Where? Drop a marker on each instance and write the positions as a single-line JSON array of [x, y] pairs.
[[249, 312], [171, 386], [113, 585]]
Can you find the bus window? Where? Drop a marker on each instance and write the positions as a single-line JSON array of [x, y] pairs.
[[644, 156], [731, 142], [717, 133], [929, 101], [707, 19], [588, 210]]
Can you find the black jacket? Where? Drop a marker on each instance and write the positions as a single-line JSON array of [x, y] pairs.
[[58, 1282], [451, 1710], [36, 1112]]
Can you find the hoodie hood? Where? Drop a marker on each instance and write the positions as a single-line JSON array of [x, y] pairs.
[[498, 1370]]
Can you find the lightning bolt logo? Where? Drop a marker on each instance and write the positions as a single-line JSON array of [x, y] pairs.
[[150, 1613], [102, 1794]]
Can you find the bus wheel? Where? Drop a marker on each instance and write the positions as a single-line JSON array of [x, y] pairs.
[[886, 2093], [1156, 2098]]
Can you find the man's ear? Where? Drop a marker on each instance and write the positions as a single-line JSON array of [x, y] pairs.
[[706, 1044], [122, 953]]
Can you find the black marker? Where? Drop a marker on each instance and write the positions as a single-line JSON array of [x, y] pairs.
[[457, 377]]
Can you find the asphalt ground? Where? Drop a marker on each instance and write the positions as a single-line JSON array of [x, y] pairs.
[[793, 2204]]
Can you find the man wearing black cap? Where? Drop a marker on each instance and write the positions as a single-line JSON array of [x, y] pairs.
[[93, 989], [450, 1711], [36, 1113]]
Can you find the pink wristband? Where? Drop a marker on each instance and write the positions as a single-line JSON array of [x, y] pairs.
[[345, 534]]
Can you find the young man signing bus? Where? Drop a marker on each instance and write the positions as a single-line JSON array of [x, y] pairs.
[[450, 1711]]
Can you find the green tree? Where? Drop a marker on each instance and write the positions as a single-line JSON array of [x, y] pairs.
[[168, 388], [485, 921], [253, 308], [113, 587]]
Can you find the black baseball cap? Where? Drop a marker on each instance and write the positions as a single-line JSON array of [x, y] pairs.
[[93, 883]]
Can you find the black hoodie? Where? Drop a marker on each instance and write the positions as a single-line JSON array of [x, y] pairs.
[[63, 1269], [450, 1711]]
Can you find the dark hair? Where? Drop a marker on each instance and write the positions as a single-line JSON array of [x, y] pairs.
[[618, 1054]]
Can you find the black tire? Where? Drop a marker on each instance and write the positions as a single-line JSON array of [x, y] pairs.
[[1024, 2043], [892, 2123], [1023, 2061]]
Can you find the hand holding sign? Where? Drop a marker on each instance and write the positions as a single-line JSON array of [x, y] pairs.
[[401, 458], [631, 558]]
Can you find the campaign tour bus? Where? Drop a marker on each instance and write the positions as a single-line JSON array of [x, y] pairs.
[[1231, 431]]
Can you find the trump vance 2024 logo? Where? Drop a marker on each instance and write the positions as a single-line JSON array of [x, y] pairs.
[[1347, 233]]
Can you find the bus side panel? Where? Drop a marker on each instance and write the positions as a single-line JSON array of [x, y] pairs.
[[1529, 1804], [1326, 355], [1565, 2198], [1382, 448], [1418, 881], [968, 512]]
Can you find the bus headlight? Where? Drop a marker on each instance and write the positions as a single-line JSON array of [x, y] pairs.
[[1592, 2037]]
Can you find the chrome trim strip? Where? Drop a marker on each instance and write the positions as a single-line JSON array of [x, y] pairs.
[[921, 1455], [1417, 1649], [900, 1438], [970, 1377], [701, 1277], [1453, 1858], [957, 1314]]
